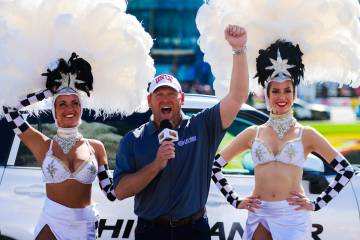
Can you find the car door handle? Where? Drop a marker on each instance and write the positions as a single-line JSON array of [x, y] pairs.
[[35, 190]]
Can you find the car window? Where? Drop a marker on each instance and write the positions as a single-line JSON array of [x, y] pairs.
[[112, 129], [109, 131], [243, 120], [353, 156]]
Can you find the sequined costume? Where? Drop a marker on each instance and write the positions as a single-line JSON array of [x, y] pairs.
[[291, 152], [278, 217], [49, 32], [56, 171]]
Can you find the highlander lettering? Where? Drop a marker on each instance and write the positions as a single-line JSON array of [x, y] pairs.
[[318, 229], [217, 230], [116, 229]]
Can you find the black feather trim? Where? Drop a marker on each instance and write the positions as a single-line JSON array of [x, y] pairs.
[[54, 78], [75, 66], [287, 51], [82, 69]]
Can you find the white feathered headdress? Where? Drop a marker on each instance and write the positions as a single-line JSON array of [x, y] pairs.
[[38, 32], [327, 31]]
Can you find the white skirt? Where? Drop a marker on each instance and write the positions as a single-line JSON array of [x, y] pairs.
[[68, 223], [281, 220]]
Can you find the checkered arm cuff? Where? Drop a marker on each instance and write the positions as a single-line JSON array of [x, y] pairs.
[[13, 116], [221, 182], [106, 182], [34, 98], [344, 173], [15, 120]]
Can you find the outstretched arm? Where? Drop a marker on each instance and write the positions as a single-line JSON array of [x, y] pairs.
[[33, 139], [239, 84]]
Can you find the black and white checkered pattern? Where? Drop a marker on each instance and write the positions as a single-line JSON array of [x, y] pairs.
[[106, 182], [15, 120], [221, 182], [35, 97], [344, 173], [13, 116]]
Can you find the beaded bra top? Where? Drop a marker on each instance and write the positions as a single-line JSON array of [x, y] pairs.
[[291, 152], [56, 171]]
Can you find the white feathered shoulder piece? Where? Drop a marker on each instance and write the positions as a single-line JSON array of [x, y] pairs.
[[327, 32], [114, 43]]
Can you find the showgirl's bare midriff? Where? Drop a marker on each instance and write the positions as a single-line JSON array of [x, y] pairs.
[[275, 181], [70, 193]]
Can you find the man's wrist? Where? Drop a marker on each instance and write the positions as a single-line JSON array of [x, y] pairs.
[[155, 166]]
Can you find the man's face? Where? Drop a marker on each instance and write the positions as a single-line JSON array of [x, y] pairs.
[[165, 103]]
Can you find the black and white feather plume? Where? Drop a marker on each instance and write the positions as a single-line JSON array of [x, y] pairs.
[[328, 33], [112, 47], [75, 73], [279, 62]]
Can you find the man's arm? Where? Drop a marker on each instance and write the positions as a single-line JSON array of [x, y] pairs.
[[133, 183], [239, 84]]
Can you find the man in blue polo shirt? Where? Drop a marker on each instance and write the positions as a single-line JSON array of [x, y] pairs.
[[171, 180]]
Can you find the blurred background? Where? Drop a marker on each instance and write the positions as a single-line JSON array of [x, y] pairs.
[[332, 110]]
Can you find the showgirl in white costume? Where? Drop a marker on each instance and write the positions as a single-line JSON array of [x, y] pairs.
[[88, 45], [285, 38]]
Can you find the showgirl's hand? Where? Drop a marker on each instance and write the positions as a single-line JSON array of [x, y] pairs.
[[250, 203], [236, 36], [301, 201]]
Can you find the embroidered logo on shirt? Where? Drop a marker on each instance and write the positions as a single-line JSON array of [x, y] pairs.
[[186, 141]]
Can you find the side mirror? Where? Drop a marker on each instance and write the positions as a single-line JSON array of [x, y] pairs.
[[317, 182]]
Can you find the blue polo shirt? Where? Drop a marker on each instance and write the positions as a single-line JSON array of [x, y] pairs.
[[182, 187]]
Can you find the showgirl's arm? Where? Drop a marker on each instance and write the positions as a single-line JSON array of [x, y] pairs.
[[32, 138]]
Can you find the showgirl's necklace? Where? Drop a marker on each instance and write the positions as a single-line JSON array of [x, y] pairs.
[[281, 123], [66, 138]]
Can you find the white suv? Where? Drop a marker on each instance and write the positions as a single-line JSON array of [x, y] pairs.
[[22, 190]]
